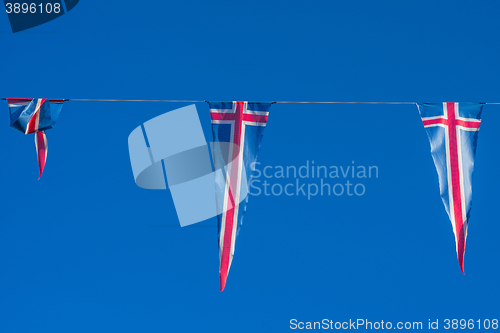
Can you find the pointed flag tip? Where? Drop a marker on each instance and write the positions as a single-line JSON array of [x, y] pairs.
[[41, 172], [461, 263], [41, 150], [223, 278]]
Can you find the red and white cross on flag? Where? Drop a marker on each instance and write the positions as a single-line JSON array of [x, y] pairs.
[[241, 125], [452, 129]]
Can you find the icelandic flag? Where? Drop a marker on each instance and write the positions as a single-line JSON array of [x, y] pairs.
[[35, 116], [239, 126], [453, 129]]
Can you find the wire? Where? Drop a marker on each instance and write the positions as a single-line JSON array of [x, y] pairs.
[[197, 101], [128, 100], [204, 101], [135, 100], [293, 102]]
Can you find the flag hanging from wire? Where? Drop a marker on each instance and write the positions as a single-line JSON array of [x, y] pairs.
[[453, 129], [237, 129], [35, 116]]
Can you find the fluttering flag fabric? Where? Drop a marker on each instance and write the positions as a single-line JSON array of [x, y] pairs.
[[35, 116], [41, 150], [241, 125], [453, 129]]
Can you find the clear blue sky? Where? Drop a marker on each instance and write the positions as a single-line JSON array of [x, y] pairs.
[[79, 251]]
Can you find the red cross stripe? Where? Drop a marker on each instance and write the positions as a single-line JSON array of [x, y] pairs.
[[453, 123], [238, 117], [41, 150], [35, 119]]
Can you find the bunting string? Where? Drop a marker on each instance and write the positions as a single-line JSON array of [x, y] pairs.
[[205, 101], [452, 129]]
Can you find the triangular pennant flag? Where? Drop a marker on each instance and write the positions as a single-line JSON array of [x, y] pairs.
[[35, 116], [241, 125], [453, 129]]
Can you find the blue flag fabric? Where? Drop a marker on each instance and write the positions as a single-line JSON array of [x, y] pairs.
[[34, 115], [453, 130], [237, 129]]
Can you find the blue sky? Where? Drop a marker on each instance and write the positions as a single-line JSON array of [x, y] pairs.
[[85, 249]]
